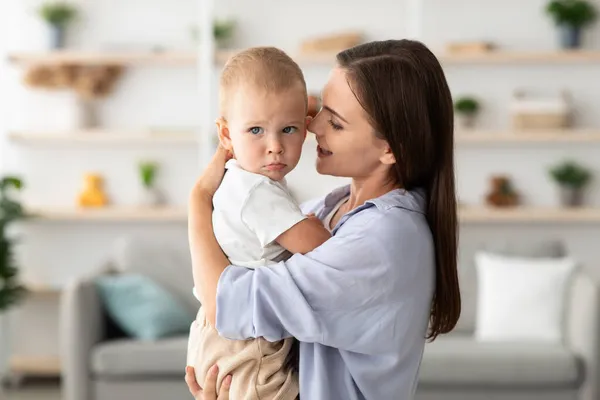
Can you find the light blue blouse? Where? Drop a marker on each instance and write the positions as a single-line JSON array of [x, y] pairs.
[[359, 303]]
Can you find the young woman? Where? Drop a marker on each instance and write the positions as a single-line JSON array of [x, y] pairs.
[[362, 304]]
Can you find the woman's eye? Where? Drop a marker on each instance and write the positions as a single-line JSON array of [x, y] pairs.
[[290, 129], [255, 130], [335, 126]]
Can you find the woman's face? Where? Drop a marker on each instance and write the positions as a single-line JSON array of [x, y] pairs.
[[347, 144]]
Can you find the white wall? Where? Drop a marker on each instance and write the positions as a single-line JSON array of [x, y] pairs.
[[166, 97]]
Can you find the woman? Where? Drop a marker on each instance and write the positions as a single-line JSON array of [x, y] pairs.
[[361, 303]]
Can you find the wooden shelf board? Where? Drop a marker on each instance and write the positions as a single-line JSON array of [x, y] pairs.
[[176, 58], [105, 58], [467, 214], [101, 137], [522, 57], [524, 214], [492, 57], [530, 136], [42, 289], [110, 213], [143, 58], [34, 365]]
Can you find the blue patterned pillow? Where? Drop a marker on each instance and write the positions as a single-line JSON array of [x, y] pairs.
[[142, 308]]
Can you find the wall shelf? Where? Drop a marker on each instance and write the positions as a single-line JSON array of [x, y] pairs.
[[541, 136], [492, 57], [524, 214], [184, 58], [104, 137], [42, 289], [167, 58], [523, 57], [110, 214], [35, 365], [467, 214]]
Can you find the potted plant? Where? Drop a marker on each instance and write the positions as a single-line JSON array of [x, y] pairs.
[[151, 195], [466, 108], [57, 15], [11, 291], [222, 32], [571, 179], [571, 16]]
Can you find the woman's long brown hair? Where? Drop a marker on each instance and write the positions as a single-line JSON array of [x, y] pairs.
[[402, 87]]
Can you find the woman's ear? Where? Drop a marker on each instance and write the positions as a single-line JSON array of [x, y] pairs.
[[223, 133], [388, 157]]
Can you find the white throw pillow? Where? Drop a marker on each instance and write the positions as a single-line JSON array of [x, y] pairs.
[[521, 299]]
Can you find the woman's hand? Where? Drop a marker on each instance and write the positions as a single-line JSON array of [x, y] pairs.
[[208, 183], [210, 385]]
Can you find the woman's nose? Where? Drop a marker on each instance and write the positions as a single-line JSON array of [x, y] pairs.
[[313, 125]]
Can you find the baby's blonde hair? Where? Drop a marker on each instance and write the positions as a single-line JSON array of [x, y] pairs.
[[265, 68]]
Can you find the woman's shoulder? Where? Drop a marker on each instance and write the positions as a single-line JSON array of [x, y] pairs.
[[393, 208], [397, 215]]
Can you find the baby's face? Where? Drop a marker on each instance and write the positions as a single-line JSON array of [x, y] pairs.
[[267, 130]]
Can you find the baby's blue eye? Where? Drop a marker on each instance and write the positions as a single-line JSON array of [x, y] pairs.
[[290, 129], [255, 130]]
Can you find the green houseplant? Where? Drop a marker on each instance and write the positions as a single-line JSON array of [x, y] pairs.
[[151, 195], [466, 109], [58, 15], [571, 178], [11, 291], [10, 211], [571, 16], [223, 30]]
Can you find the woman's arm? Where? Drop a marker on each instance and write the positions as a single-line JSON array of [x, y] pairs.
[[368, 289]]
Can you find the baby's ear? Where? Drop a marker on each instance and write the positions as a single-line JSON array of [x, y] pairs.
[[307, 123], [223, 133]]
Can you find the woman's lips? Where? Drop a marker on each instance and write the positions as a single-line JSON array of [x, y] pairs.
[[323, 152]]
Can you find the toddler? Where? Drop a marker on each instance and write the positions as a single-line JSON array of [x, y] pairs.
[[263, 108]]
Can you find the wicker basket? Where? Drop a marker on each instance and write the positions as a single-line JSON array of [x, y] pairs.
[[525, 121], [540, 113]]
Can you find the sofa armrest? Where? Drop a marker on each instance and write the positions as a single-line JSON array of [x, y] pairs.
[[82, 327], [583, 331]]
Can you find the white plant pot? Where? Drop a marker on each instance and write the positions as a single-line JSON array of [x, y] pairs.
[[151, 197], [571, 197], [465, 121]]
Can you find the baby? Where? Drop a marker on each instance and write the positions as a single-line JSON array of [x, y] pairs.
[[263, 108]]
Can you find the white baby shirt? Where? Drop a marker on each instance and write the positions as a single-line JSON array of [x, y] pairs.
[[249, 212]]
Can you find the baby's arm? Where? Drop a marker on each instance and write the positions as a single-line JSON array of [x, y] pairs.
[[274, 216], [305, 236]]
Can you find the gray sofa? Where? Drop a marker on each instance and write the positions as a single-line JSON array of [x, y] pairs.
[[99, 365]]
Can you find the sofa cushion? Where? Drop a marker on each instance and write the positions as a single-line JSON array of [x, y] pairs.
[[167, 262], [130, 357], [468, 274], [461, 360], [143, 308]]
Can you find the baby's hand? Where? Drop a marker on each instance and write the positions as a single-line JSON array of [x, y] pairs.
[[312, 216]]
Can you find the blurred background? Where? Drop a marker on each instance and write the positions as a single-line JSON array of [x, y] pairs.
[[106, 111]]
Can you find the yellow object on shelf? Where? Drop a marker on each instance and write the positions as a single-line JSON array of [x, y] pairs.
[[93, 192]]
